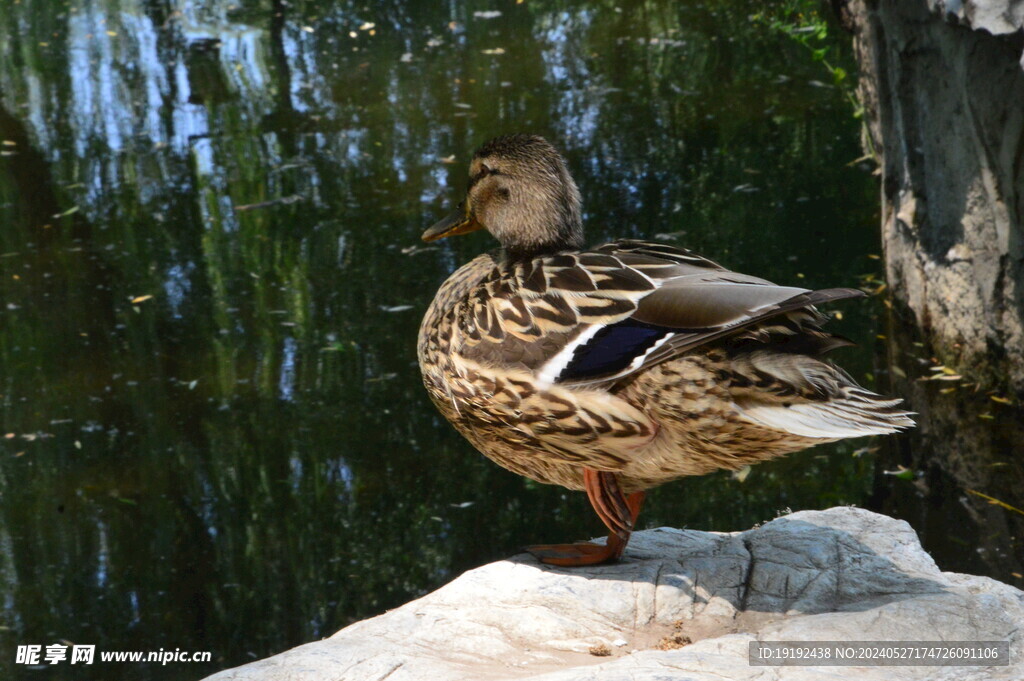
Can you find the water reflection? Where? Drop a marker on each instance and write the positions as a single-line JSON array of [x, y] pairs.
[[962, 487], [212, 279]]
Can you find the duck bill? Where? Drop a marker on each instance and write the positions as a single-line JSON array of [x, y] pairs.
[[459, 222]]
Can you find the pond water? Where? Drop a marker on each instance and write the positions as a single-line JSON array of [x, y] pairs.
[[214, 433]]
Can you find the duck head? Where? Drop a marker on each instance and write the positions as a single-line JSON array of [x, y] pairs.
[[520, 191]]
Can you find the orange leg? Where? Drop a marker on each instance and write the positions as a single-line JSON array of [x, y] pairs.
[[617, 511]]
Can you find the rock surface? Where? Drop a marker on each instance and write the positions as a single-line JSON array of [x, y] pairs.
[[681, 605], [941, 84], [998, 17]]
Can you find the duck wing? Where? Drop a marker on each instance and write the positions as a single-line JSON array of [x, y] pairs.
[[598, 316]]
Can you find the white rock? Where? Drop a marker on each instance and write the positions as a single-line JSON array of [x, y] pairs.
[[844, 574], [998, 17]]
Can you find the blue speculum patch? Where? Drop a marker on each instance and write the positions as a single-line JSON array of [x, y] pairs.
[[612, 349]]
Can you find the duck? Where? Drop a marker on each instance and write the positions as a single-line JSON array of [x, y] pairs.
[[618, 368]]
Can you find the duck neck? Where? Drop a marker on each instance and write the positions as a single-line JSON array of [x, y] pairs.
[[551, 222], [521, 252], [562, 233]]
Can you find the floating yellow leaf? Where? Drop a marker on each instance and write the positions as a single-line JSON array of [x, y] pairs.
[[140, 299], [69, 211], [996, 502], [1000, 400], [901, 472]]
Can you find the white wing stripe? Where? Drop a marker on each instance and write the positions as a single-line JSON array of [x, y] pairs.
[[638, 362], [553, 368]]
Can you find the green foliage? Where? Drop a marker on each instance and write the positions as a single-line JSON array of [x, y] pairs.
[[803, 22]]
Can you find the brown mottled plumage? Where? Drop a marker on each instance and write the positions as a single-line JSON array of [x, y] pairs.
[[622, 367]]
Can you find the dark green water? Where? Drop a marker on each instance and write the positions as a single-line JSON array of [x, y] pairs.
[[216, 436]]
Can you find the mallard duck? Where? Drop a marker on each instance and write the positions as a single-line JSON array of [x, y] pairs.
[[618, 368]]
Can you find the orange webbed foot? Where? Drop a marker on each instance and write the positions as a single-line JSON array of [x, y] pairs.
[[575, 555], [617, 511]]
